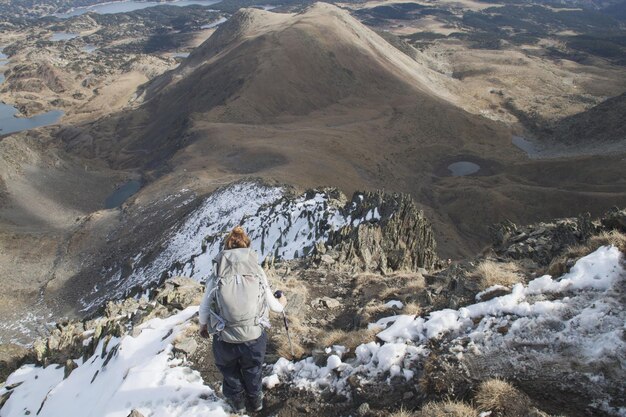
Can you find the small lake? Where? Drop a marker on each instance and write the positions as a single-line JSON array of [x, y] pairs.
[[463, 168], [122, 194], [129, 6], [63, 36], [11, 124], [214, 24], [89, 48], [181, 55]]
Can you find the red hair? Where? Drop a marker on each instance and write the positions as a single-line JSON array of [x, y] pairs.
[[237, 238]]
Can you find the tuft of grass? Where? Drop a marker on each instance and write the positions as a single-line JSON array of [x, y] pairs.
[[401, 413], [410, 287], [560, 265], [282, 341], [502, 399], [412, 308], [348, 339], [373, 310], [489, 273], [447, 409]]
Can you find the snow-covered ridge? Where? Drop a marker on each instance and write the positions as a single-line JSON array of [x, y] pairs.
[[280, 226]]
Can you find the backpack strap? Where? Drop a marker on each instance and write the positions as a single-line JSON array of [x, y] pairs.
[[221, 324]]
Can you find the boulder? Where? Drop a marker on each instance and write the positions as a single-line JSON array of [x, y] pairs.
[[180, 293], [330, 302], [70, 365], [11, 357], [187, 346]]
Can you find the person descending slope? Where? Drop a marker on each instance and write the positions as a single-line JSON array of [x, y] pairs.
[[235, 310]]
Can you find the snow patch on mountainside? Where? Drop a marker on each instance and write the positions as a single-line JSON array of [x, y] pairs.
[[280, 226], [128, 373]]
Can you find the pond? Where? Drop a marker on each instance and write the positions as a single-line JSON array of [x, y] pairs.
[[129, 6], [180, 55], [11, 124], [122, 194], [63, 36], [89, 48], [463, 168]]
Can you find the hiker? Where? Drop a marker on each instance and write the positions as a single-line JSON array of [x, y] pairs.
[[235, 310]]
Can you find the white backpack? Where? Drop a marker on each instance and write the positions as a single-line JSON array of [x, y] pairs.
[[237, 302]]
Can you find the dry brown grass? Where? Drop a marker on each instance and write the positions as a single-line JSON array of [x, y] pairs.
[[373, 310], [489, 273], [502, 398], [297, 298], [383, 287], [559, 265], [412, 308], [280, 339], [447, 409], [401, 413], [402, 291], [613, 237], [348, 339]]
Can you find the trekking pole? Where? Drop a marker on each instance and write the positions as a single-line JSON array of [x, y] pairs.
[[279, 294], [293, 357]]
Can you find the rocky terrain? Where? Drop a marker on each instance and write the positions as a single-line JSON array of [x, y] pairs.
[[276, 96], [336, 296], [370, 95]]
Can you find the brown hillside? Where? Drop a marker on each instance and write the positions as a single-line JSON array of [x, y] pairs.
[[317, 98]]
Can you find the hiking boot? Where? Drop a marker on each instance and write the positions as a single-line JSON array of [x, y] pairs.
[[238, 404], [256, 402]]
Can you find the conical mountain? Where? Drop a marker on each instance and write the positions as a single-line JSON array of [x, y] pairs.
[[264, 68], [260, 66]]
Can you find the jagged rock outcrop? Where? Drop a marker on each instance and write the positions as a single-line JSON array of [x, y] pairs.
[[396, 236], [542, 242]]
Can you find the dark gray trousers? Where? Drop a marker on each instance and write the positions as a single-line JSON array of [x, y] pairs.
[[241, 365]]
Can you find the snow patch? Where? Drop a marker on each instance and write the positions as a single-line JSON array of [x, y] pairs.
[[127, 373]]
